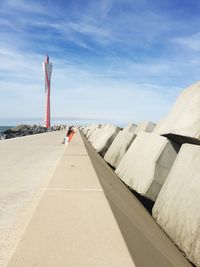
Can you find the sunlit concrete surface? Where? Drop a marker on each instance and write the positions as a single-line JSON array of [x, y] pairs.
[[177, 208], [26, 165], [105, 138], [119, 146], [182, 124], [87, 217], [147, 163], [123, 141], [145, 126], [73, 224]]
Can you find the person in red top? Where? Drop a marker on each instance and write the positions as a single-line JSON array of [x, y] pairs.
[[70, 133]]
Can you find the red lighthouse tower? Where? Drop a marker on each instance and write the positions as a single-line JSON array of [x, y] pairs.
[[47, 67]]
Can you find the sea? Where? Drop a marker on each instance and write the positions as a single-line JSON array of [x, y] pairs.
[[4, 128]]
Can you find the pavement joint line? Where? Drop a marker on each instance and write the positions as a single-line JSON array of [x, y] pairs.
[[73, 189]]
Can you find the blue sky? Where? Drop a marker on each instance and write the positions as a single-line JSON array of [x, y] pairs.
[[113, 60]]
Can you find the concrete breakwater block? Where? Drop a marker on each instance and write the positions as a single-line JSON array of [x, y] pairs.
[[182, 124], [145, 126], [104, 139], [147, 163], [130, 127], [177, 208], [84, 130], [120, 145], [97, 133], [90, 128], [123, 140]]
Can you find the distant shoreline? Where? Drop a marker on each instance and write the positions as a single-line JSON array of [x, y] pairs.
[[7, 132]]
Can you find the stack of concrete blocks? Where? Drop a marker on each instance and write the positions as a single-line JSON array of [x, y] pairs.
[[123, 141], [81, 128], [147, 163], [145, 126], [120, 145], [87, 129], [92, 129], [84, 130], [177, 208], [152, 168], [149, 159], [103, 138], [97, 133]]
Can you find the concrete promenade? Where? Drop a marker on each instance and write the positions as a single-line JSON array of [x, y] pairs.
[[86, 217], [26, 165]]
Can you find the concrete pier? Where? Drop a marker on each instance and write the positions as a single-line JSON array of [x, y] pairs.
[[87, 217], [26, 165]]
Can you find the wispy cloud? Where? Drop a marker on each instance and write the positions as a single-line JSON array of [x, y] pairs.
[[24, 6], [111, 58], [191, 42]]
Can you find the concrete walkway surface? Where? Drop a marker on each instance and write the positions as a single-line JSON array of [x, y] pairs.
[[26, 165], [87, 218]]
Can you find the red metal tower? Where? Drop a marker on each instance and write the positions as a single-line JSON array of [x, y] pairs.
[[47, 67]]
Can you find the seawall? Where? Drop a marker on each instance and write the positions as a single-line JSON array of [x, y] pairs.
[[87, 217]]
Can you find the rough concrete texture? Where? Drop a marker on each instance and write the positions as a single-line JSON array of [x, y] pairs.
[[94, 133], [85, 130], [184, 117], [131, 127], [177, 208], [92, 129], [147, 163], [123, 140], [91, 134], [145, 126], [120, 145], [97, 133], [105, 139], [89, 128]]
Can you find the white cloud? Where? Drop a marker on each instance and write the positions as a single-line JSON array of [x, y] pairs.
[[106, 83], [25, 6], [189, 42]]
